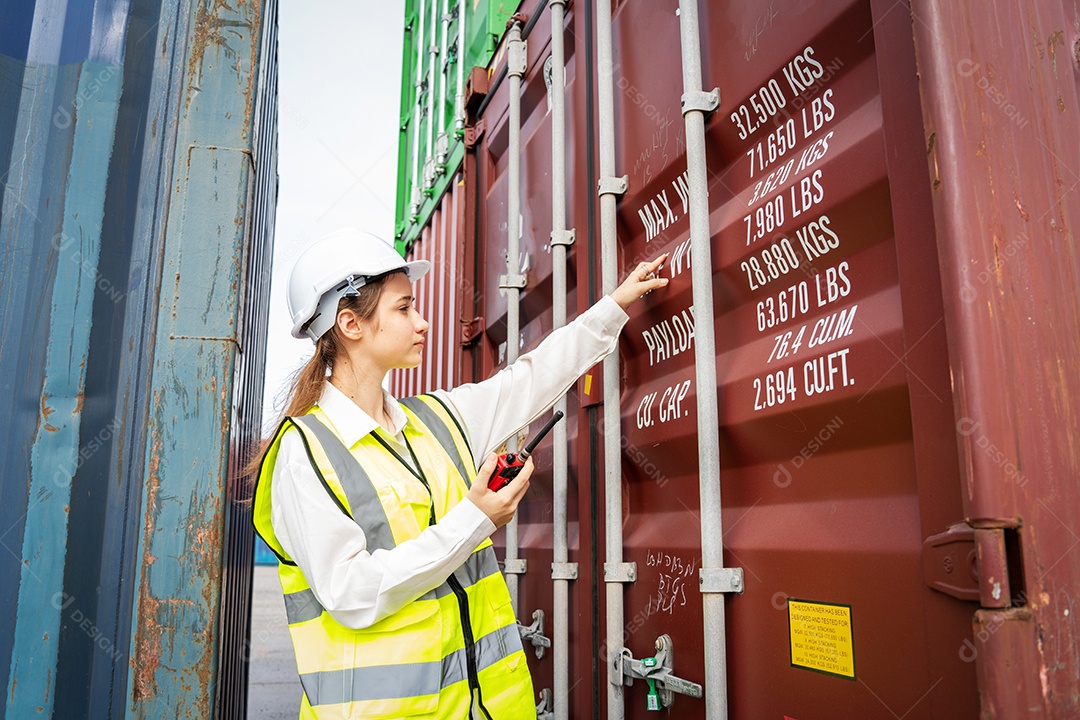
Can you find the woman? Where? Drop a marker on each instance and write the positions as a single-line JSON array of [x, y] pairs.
[[376, 508]]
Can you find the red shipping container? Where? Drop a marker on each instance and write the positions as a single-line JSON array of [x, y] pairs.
[[897, 329]]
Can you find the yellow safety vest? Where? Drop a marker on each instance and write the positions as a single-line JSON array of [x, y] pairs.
[[455, 644]]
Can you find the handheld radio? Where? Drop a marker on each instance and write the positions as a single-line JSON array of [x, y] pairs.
[[510, 464]]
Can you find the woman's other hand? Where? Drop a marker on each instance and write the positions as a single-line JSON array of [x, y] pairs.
[[642, 280], [499, 506]]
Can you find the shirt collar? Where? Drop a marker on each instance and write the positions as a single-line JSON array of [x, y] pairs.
[[351, 422]]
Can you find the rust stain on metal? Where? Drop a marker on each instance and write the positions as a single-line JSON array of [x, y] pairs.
[[179, 601], [200, 38], [249, 95], [204, 556], [1055, 39], [46, 411], [208, 28], [931, 144], [147, 655], [1020, 206], [206, 337]]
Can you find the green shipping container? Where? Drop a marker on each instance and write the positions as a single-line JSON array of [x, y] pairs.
[[433, 75]]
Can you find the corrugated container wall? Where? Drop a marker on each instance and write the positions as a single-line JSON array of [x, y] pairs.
[[890, 192], [245, 422], [138, 170]]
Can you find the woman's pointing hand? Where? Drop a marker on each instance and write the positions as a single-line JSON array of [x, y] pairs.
[[642, 280]]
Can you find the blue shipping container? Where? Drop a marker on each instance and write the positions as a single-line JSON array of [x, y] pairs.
[[137, 195]]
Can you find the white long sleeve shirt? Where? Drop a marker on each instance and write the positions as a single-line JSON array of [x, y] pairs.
[[358, 587]]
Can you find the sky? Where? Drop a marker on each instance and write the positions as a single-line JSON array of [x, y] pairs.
[[338, 93]]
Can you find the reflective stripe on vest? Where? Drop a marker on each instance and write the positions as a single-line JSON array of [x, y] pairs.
[[397, 666], [362, 495], [303, 605], [441, 432], [388, 682]]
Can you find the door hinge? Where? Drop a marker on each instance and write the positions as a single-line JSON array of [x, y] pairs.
[[473, 133], [471, 330], [976, 564], [949, 562]]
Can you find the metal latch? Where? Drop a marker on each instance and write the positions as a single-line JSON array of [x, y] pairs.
[[545, 709], [701, 101], [657, 671], [517, 55], [721, 580], [564, 571], [442, 150], [515, 566], [613, 185], [415, 202], [548, 79], [459, 115], [620, 572], [562, 237], [535, 633], [429, 177], [509, 282]]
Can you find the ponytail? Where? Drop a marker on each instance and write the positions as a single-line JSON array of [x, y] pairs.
[[307, 385]]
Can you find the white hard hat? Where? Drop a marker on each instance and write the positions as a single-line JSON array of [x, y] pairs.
[[334, 265]]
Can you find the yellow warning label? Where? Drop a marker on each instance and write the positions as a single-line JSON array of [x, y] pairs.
[[821, 637]]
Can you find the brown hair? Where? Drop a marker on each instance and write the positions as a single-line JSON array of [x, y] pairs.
[[307, 384]]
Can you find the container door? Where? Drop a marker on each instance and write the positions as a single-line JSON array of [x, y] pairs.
[[837, 447]]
